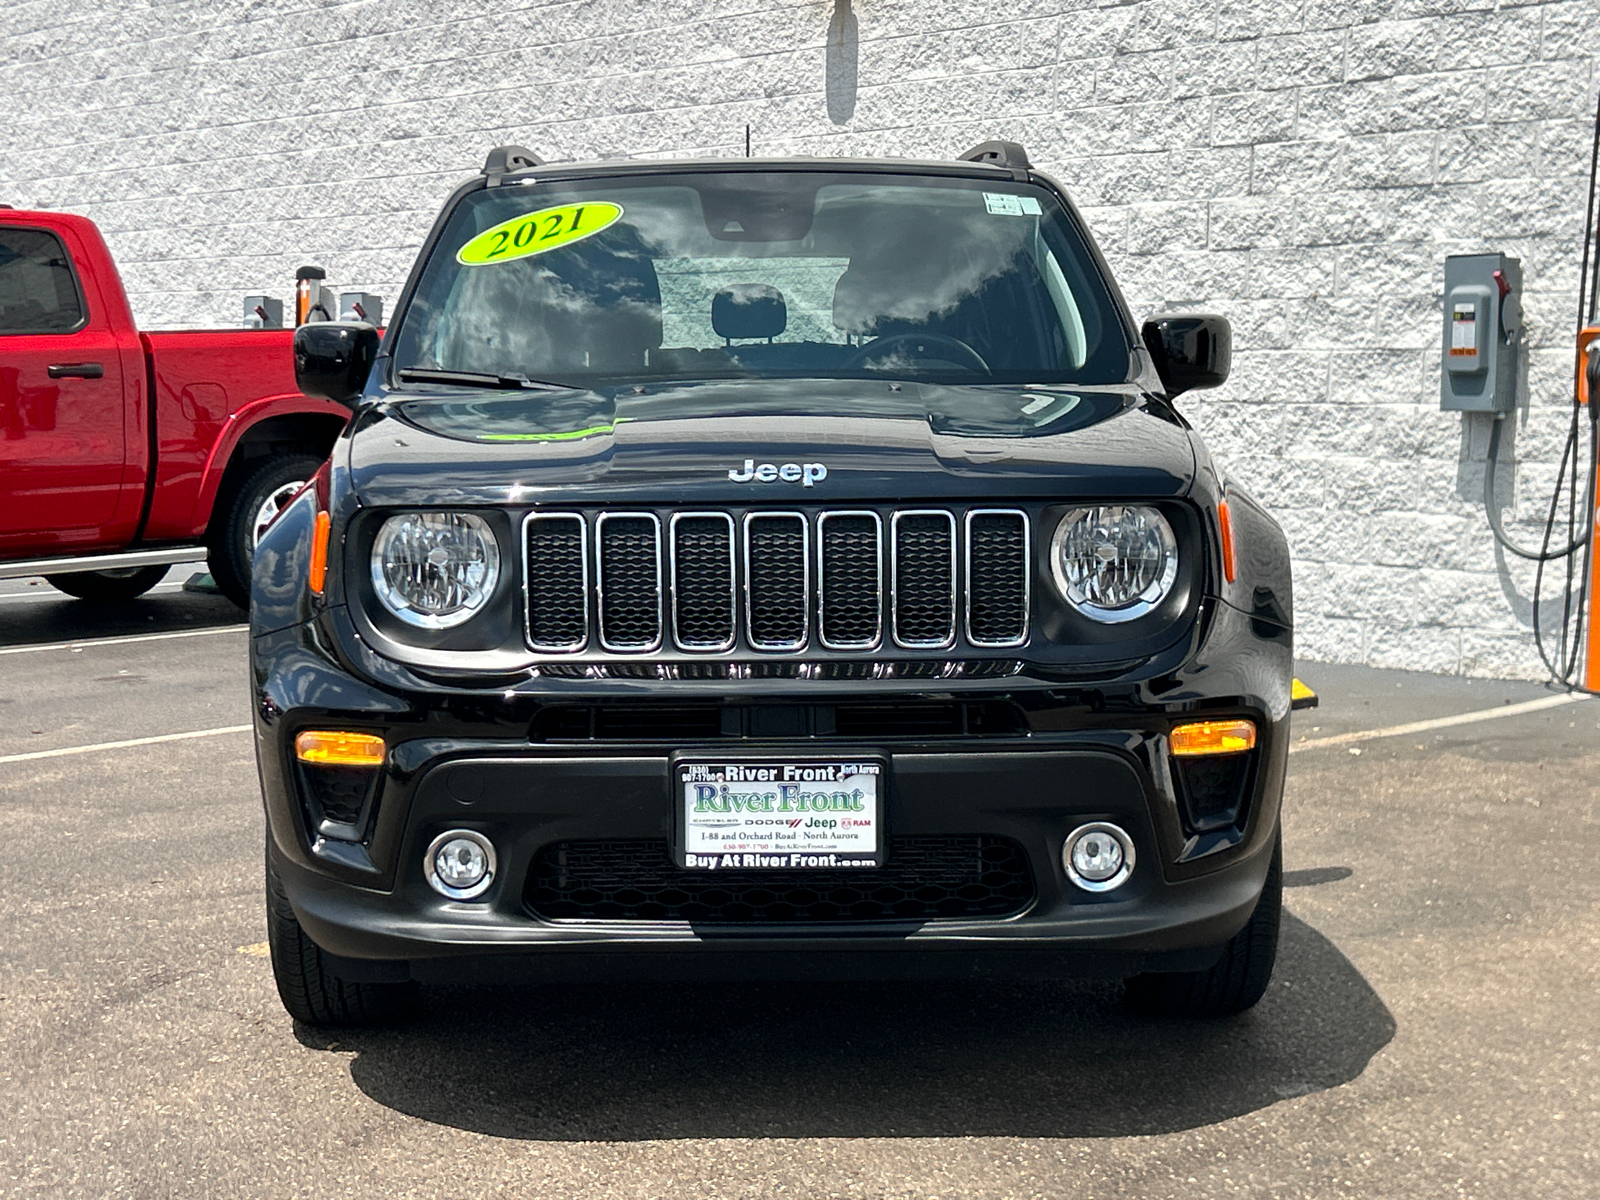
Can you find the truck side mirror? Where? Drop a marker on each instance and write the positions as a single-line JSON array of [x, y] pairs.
[[332, 359], [1192, 350]]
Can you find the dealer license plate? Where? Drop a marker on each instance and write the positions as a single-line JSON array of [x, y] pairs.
[[782, 815]]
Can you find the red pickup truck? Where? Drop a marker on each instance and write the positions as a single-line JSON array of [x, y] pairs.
[[123, 452]]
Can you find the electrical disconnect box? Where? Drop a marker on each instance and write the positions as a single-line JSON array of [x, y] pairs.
[[263, 312], [313, 301], [361, 306], [1482, 333]]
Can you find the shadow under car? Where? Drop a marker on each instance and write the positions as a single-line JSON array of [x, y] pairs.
[[594, 1063]]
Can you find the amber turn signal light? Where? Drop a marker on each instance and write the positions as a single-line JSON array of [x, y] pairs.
[[1213, 737], [1225, 523], [317, 572], [329, 749]]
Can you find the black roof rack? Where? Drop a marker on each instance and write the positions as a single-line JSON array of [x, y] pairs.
[[503, 160], [999, 154]]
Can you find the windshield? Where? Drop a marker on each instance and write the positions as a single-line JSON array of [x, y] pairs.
[[780, 274]]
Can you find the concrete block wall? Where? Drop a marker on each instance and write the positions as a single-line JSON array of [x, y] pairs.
[[1302, 166]]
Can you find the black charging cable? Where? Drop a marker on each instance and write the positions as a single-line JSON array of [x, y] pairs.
[[1573, 605], [1491, 501]]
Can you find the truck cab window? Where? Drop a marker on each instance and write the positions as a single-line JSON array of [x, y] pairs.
[[38, 293]]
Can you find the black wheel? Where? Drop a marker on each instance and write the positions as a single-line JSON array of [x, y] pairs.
[[310, 991], [108, 586], [1239, 977], [244, 514]]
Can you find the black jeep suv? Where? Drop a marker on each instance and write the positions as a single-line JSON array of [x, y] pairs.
[[769, 567]]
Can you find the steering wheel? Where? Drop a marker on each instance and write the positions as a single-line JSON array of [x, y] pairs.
[[966, 356]]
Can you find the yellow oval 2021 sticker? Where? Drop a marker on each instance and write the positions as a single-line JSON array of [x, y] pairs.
[[537, 232]]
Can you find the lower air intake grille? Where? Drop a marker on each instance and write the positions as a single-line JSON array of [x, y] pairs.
[[1213, 790], [924, 878], [337, 799]]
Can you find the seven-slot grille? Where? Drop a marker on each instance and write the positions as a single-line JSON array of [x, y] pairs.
[[848, 579]]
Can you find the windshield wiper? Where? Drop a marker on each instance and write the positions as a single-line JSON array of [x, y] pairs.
[[477, 379]]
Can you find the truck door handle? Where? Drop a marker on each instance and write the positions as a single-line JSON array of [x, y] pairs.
[[75, 371]]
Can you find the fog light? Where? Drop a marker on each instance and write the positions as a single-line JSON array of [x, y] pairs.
[[460, 864], [1098, 856]]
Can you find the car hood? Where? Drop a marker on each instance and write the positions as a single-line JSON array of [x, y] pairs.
[[707, 442]]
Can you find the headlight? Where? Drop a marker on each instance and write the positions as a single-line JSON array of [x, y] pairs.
[[1114, 562], [435, 570]]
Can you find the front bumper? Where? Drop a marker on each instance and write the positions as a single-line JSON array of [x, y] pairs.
[[1086, 754]]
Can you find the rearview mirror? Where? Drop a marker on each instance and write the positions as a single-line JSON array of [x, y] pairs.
[[1192, 350], [332, 359]]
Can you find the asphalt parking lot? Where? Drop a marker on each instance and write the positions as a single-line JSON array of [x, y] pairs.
[[1431, 1029]]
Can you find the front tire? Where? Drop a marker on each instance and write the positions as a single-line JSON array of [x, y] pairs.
[[106, 587], [310, 990], [1237, 980], [245, 512]]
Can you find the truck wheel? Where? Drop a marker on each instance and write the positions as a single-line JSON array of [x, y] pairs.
[[1239, 977], [310, 991], [107, 586], [246, 511]]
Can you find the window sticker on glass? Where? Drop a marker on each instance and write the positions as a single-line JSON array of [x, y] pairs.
[[1003, 204], [538, 232]]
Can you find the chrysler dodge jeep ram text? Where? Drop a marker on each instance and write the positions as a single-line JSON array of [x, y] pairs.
[[769, 568]]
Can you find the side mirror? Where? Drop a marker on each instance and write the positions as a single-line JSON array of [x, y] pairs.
[[1192, 350], [332, 359]]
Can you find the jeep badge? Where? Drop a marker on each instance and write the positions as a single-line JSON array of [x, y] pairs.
[[804, 474]]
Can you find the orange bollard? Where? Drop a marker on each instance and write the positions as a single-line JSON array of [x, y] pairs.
[[1591, 661], [1586, 335]]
